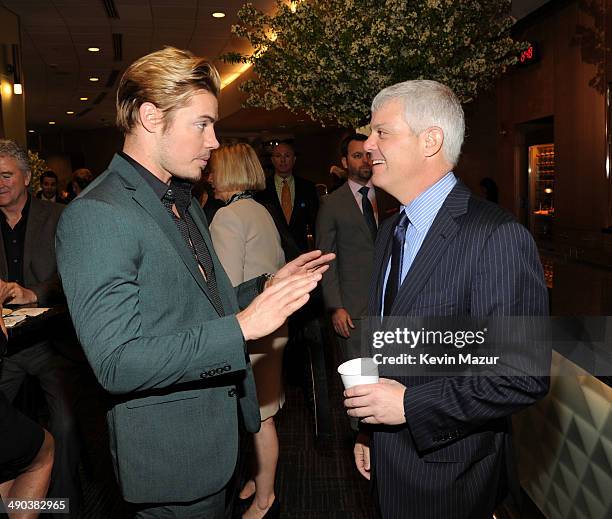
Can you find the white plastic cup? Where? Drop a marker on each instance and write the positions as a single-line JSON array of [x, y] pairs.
[[355, 372]]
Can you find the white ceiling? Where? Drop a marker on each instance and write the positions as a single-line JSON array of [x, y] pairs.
[[55, 35]]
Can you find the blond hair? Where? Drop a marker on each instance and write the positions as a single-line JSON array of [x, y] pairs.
[[237, 168], [167, 78]]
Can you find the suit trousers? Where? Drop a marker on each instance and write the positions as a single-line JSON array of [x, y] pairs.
[[211, 507], [353, 347], [57, 377]]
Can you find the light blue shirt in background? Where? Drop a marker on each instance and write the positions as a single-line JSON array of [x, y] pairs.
[[421, 212]]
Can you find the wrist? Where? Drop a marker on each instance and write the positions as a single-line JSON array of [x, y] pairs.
[[240, 317], [264, 281]]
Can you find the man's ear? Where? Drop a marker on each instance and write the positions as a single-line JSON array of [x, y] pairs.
[[344, 163], [150, 117], [434, 138]]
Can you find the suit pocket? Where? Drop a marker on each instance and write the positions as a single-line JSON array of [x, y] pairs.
[[467, 450], [160, 399]]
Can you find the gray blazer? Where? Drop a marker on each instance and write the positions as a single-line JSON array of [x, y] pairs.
[[341, 228], [143, 313], [39, 265]]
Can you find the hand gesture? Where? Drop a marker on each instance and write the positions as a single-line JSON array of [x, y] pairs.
[[310, 262], [270, 309], [361, 451], [341, 321]]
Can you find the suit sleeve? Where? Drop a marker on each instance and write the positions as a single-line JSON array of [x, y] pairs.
[[99, 270], [326, 241], [49, 291], [228, 236], [509, 282]]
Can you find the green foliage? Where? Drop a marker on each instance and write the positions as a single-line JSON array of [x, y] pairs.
[[37, 166], [329, 58]]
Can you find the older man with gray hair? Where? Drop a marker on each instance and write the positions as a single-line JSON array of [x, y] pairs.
[[28, 272], [441, 446]]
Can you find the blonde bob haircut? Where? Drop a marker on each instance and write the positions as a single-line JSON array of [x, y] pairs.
[[237, 168], [167, 78]]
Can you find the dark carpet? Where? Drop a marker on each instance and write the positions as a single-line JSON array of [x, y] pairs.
[[315, 479]]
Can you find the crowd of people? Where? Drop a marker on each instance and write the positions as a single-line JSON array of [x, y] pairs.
[[185, 308]]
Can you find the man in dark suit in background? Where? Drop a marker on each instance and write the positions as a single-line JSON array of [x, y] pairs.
[[347, 224], [28, 267], [293, 197], [441, 445]]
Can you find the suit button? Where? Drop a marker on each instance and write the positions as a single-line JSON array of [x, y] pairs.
[[227, 367], [231, 392], [203, 374]]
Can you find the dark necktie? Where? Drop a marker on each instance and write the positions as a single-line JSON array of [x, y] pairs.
[[368, 211], [397, 259], [179, 194]]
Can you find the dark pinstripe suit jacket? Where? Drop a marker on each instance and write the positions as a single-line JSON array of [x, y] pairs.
[[452, 459]]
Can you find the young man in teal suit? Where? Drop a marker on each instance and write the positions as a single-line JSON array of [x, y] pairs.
[[158, 319]]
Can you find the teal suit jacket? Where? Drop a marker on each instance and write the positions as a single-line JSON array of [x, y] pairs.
[[144, 317]]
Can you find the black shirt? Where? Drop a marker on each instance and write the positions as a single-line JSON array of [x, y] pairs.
[[14, 240]]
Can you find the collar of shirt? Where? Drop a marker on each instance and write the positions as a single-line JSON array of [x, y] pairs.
[[180, 190], [423, 209], [278, 181], [355, 187], [159, 187]]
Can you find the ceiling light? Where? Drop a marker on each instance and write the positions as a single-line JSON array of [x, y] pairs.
[[30, 131], [94, 79], [51, 123], [83, 98], [218, 14], [70, 112], [17, 89], [93, 49], [6, 88]]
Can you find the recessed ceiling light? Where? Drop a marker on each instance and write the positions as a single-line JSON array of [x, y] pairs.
[[70, 112], [52, 122], [94, 79], [30, 131], [218, 14], [93, 49], [83, 98]]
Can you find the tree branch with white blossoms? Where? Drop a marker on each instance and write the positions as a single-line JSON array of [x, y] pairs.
[[329, 58]]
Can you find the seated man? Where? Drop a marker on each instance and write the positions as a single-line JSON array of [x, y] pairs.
[[26, 450], [28, 275]]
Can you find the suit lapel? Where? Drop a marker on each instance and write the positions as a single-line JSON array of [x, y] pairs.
[[296, 200], [36, 220], [223, 283], [383, 239], [144, 196], [3, 264], [440, 235], [354, 209]]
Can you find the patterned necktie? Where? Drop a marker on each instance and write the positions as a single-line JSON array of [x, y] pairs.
[[286, 200], [397, 259], [368, 211], [179, 194]]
